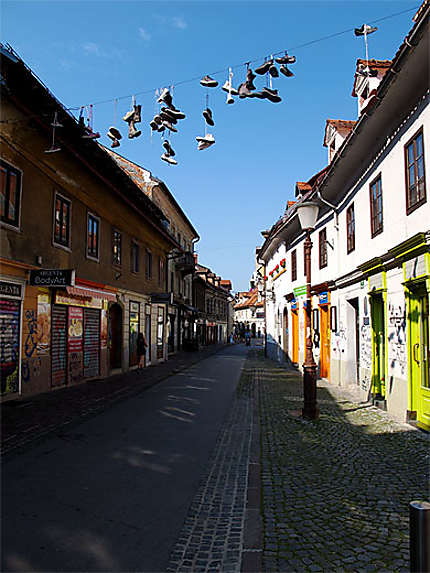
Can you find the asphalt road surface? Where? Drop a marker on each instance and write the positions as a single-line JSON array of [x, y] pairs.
[[112, 493]]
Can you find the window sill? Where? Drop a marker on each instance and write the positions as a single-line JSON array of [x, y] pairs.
[[89, 257], [410, 210], [63, 247], [10, 227]]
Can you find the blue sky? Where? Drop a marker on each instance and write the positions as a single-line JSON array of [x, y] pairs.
[[93, 51]]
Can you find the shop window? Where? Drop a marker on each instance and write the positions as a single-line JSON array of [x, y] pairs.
[[116, 247], [10, 194], [415, 177], [135, 253], [294, 265], [62, 220], [350, 229], [93, 237], [322, 248], [376, 211], [148, 264]]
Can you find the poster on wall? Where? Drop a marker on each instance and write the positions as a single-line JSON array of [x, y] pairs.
[[104, 329], [75, 331], [43, 323], [9, 345]]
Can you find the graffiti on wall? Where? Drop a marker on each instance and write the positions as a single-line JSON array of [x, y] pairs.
[[30, 368], [30, 326], [9, 344], [396, 336]]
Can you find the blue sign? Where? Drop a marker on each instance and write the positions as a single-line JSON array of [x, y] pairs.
[[324, 298], [294, 304]]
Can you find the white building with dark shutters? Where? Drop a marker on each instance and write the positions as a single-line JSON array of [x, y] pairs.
[[371, 242]]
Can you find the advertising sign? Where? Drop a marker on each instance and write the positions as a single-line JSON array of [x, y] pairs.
[[52, 277], [75, 329], [299, 291], [323, 297]]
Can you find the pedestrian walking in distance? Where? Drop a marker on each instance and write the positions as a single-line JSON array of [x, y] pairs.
[[141, 350]]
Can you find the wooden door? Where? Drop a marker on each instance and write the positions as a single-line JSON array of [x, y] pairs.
[[295, 335], [419, 357], [324, 342]]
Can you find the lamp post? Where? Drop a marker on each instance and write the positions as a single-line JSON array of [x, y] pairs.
[[308, 213]]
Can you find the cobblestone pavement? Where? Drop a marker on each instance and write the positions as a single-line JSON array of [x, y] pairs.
[[212, 535], [28, 420], [336, 491]]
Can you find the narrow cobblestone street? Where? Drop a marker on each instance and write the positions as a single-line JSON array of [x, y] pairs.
[[336, 491], [277, 494]]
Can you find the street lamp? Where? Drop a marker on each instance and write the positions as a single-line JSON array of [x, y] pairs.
[[308, 213]]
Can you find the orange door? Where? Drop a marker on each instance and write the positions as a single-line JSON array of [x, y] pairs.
[[324, 342], [295, 335]]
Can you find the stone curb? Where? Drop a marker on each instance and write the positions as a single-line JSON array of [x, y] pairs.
[[252, 551]]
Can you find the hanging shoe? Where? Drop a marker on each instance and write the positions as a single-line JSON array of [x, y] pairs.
[[207, 114], [161, 128], [258, 95], [243, 91], [286, 59], [284, 70], [174, 113], [365, 29], [168, 148], [205, 141], [113, 133], [273, 71], [271, 95], [129, 116], [229, 89], [169, 159], [115, 143], [250, 77], [208, 82], [169, 126], [165, 116], [137, 113], [166, 98], [89, 134], [264, 68], [230, 99], [154, 125], [132, 131]]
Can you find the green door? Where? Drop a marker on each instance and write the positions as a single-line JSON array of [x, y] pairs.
[[419, 356], [378, 346]]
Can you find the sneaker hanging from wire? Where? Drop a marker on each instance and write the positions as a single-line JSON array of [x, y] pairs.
[[365, 29], [169, 159], [169, 150], [207, 114], [208, 82], [264, 68], [286, 59], [284, 70]]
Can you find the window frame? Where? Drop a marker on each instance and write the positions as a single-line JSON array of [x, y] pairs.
[[114, 232], [68, 246], [16, 223], [350, 225], [322, 243], [148, 264], [293, 265], [97, 219], [411, 208], [374, 231], [134, 256]]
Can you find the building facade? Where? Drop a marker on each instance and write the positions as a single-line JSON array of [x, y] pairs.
[[371, 243], [83, 250]]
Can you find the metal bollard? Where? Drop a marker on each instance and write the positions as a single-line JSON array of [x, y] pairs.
[[419, 536]]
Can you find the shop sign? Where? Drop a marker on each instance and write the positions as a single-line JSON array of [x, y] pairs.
[[10, 289], [52, 277], [323, 298], [75, 329], [43, 323], [73, 300], [299, 291], [260, 314], [162, 297]]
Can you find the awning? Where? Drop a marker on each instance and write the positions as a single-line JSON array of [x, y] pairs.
[[189, 308], [102, 294]]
